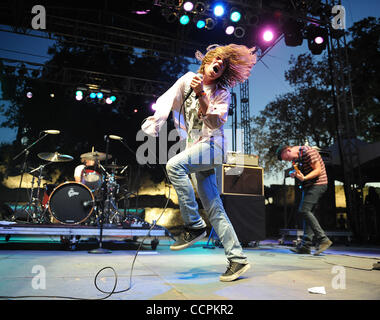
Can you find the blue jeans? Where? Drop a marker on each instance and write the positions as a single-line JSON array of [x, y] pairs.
[[200, 161], [311, 226]]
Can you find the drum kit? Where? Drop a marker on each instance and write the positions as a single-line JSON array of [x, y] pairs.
[[92, 199]]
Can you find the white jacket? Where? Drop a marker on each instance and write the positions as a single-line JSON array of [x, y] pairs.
[[212, 122]]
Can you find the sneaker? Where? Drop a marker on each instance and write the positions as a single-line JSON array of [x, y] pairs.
[[301, 250], [234, 271], [323, 246], [188, 237]]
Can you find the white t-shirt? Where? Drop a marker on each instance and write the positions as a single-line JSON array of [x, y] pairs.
[[78, 171]]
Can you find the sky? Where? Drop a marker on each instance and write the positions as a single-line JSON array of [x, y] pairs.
[[266, 82]]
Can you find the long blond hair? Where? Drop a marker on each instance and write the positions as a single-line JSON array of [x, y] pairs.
[[239, 61]]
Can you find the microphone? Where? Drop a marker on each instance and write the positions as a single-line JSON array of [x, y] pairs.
[[191, 89], [87, 204], [199, 75], [52, 131], [115, 137]]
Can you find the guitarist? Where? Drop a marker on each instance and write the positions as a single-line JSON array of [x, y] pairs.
[[310, 170]]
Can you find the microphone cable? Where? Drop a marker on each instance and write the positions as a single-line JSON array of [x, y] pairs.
[[113, 291]]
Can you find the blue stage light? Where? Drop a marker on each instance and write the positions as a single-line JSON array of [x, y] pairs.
[[99, 95], [92, 95], [184, 19], [235, 16], [201, 24], [218, 10]]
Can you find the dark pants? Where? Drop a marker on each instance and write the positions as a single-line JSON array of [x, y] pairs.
[[311, 227]]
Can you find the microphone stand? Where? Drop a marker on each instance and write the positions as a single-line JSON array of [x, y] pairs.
[[26, 151], [100, 249]]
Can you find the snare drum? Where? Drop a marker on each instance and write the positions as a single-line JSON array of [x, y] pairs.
[[71, 203]]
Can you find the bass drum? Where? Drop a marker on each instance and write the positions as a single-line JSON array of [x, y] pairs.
[[71, 203]]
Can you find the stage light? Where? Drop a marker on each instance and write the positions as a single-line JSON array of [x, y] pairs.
[[201, 24], [316, 39], [199, 7], [268, 35], [29, 95], [135, 110], [108, 101], [230, 30], [169, 15], [188, 6], [99, 95], [293, 33], [79, 98], [239, 32], [252, 19], [153, 106], [79, 93], [92, 95], [218, 10], [210, 23], [235, 15], [184, 19], [113, 98]]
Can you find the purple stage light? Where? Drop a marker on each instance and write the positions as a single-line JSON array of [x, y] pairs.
[[318, 40], [230, 30], [268, 35], [188, 6]]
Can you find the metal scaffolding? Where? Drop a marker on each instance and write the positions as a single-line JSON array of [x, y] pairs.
[[345, 123]]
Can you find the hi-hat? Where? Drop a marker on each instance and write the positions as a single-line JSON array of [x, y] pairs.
[[95, 155], [113, 166], [55, 157]]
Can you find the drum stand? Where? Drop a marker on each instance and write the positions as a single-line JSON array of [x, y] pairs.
[[26, 151], [100, 249], [34, 207]]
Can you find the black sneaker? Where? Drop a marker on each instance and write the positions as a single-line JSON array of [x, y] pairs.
[[301, 250], [234, 271], [188, 237]]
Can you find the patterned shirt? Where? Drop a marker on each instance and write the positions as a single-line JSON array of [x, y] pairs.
[[308, 155]]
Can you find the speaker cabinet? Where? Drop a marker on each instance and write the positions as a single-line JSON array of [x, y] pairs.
[[247, 215], [242, 180]]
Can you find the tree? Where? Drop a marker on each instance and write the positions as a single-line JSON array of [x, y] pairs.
[[83, 125], [307, 114], [364, 58], [295, 117]]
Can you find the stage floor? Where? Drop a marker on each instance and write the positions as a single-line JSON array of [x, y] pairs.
[[39, 267]]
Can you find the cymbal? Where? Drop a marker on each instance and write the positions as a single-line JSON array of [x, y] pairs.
[[54, 157], [113, 166], [95, 155]]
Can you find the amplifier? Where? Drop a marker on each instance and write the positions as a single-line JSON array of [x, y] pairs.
[[242, 159], [241, 180]]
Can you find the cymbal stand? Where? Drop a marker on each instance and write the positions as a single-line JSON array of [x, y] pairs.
[[34, 207], [26, 151], [100, 249]]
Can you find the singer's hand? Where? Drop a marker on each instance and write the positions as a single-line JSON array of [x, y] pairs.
[[197, 84]]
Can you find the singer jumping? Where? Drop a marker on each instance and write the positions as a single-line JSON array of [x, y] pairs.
[[200, 103]]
